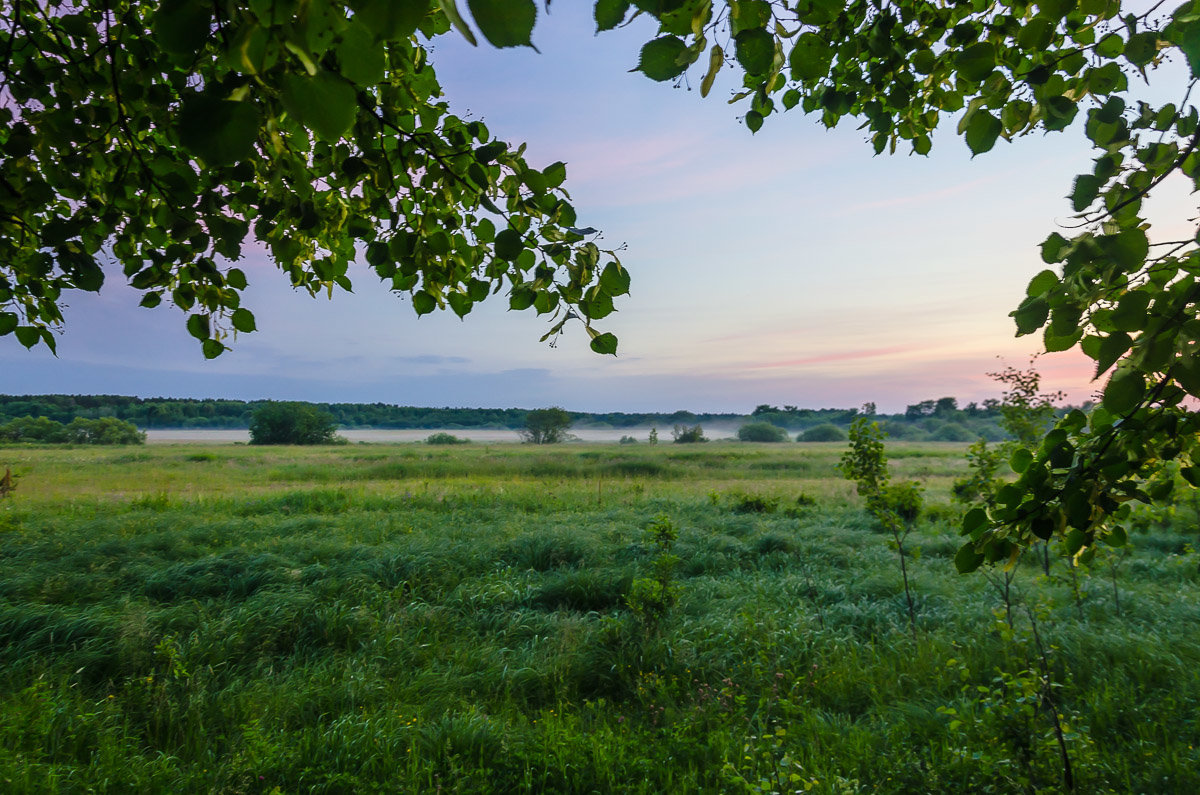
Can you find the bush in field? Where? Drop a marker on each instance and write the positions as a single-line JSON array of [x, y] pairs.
[[291, 423], [823, 433], [546, 426], [951, 432], [752, 503], [42, 430], [444, 438], [761, 432], [628, 440], [682, 434], [105, 430], [34, 430]]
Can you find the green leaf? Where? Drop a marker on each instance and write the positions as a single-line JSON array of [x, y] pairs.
[[505, 23], [614, 279], [754, 121], [522, 297], [1125, 390], [1056, 342], [660, 59], [392, 19], [236, 279], [182, 27], [1116, 537], [716, 58], [755, 50], [597, 307], [509, 244], [1036, 34], [810, 57], [361, 58], [28, 335], [1141, 48], [325, 104], [973, 520], [610, 13], [212, 349], [1030, 315], [423, 302], [8, 323], [451, 11], [1110, 349], [982, 132], [459, 303], [1052, 248], [1128, 248], [976, 62], [1087, 188], [605, 343], [197, 326], [554, 174], [243, 320], [1042, 283], [1130, 314], [220, 132], [1020, 460], [1189, 42], [967, 560], [1191, 475]]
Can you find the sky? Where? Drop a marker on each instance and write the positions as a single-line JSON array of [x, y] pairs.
[[786, 267]]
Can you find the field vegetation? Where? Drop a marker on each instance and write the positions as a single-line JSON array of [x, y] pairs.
[[589, 618]]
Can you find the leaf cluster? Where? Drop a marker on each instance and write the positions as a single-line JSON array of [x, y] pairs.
[[169, 137]]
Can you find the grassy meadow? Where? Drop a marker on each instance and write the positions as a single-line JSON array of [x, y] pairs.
[[405, 618]]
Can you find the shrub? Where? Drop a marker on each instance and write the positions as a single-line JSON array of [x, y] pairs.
[[42, 430], [761, 432], [291, 423], [628, 440], [951, 432], [444, 438], [105, 430], [823, 433], [904, 498], [752, 503], [682, 434]]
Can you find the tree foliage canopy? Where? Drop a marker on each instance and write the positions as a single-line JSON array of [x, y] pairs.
[[546, 426], [291, 423], [170, 135]]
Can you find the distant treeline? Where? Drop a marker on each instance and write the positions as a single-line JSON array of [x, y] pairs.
[[191, 413], [929, 420]]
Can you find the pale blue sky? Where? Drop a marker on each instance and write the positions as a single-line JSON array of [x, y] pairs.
[[790, 266]]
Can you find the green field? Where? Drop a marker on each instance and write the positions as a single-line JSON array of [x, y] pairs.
[[402, 618]]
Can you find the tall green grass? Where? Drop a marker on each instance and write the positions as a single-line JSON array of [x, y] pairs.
[[401, 619]]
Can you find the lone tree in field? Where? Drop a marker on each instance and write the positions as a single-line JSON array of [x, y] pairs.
[[169, 136], [546, 426], [291, 423]]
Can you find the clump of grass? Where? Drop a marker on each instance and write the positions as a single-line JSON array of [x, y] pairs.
[[752, 503], [443, 438]]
